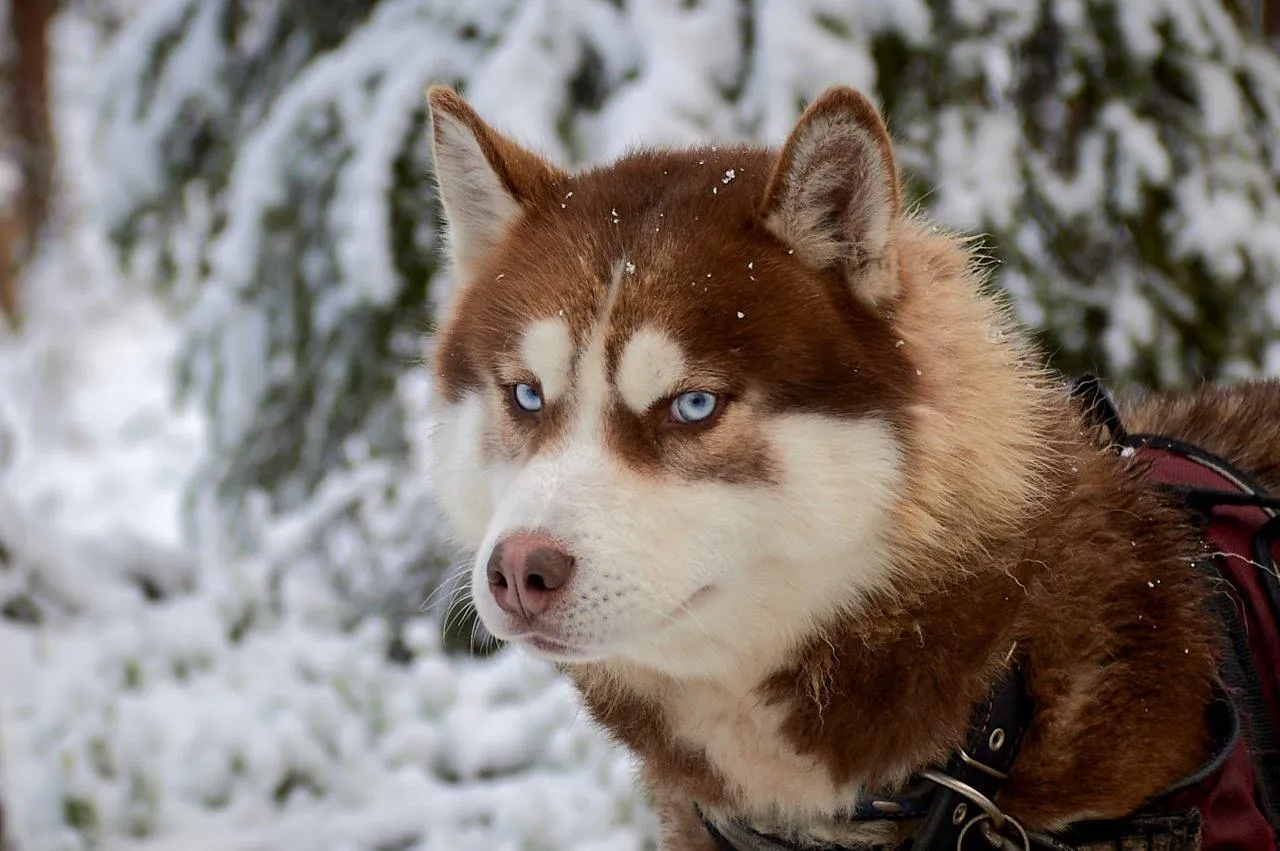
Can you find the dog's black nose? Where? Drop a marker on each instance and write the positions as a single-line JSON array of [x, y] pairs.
[[525, 571]]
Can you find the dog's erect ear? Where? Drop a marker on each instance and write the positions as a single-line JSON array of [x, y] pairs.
[[485, 179], [834, 196]]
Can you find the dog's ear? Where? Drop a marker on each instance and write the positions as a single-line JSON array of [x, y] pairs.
[[835, 197], [485, 179]]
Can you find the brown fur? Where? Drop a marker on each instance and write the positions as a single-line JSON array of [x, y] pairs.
[[1014, 537]]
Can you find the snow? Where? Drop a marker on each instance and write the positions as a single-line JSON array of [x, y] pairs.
[[539, 48], [1135, 325], [796, 58], [1018, 17], [979, 188], [681, 56], [139, 118], [1141, 159], [170, 734], [1139, 21], [1223, 112]]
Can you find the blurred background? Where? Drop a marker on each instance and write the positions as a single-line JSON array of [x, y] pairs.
[[218, 275]]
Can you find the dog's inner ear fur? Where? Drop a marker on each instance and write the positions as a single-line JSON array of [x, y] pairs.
[[485, 179], [834, 196]]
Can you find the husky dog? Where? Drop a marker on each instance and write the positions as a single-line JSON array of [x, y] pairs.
[[753, 453]]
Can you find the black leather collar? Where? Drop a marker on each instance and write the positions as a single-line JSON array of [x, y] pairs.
[[982, 766]]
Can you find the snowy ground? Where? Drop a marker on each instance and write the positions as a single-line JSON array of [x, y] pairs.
[[128, 722]]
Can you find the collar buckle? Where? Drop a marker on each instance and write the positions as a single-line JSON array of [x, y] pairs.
[[988, 807], [991, 819]]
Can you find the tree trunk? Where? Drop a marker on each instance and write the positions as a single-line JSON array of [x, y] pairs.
[[30, 139]]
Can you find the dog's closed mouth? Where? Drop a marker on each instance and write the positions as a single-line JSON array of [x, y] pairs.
[[563, 651], [550, 646]]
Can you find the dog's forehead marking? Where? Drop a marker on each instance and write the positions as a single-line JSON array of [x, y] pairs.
[[651, 367], [591, 377], [547, 349], [593, 389]]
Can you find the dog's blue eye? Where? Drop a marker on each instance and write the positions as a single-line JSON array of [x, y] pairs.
[[693, 407], [527, 398]]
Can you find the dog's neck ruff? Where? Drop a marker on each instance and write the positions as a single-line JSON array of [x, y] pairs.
[[956, 807]]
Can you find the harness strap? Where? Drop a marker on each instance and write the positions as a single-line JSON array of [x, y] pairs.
[[1155, 832], [1099, 408], [1237, 664]]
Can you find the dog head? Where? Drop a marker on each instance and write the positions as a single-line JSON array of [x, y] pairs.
[[674, 397]]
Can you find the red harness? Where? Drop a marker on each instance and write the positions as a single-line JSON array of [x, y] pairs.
[[1237, 801], [1236, 794]]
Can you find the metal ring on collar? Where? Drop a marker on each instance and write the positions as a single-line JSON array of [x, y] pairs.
[[984, 803], [1005, 844]]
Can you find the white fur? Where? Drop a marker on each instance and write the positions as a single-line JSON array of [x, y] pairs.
[[784, 558], [477, 206], [594, 392], [741, 735], [547, 349], [651, 367], [467, 485]]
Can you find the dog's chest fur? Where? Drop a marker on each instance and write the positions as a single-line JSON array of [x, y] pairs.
[[741, 735], [729, 750]]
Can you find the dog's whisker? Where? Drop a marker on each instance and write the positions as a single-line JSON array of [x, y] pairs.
[[459, 604], [453, 576]]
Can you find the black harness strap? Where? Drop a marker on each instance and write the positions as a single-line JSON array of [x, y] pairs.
[[1157, 832], [1099, 408]]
